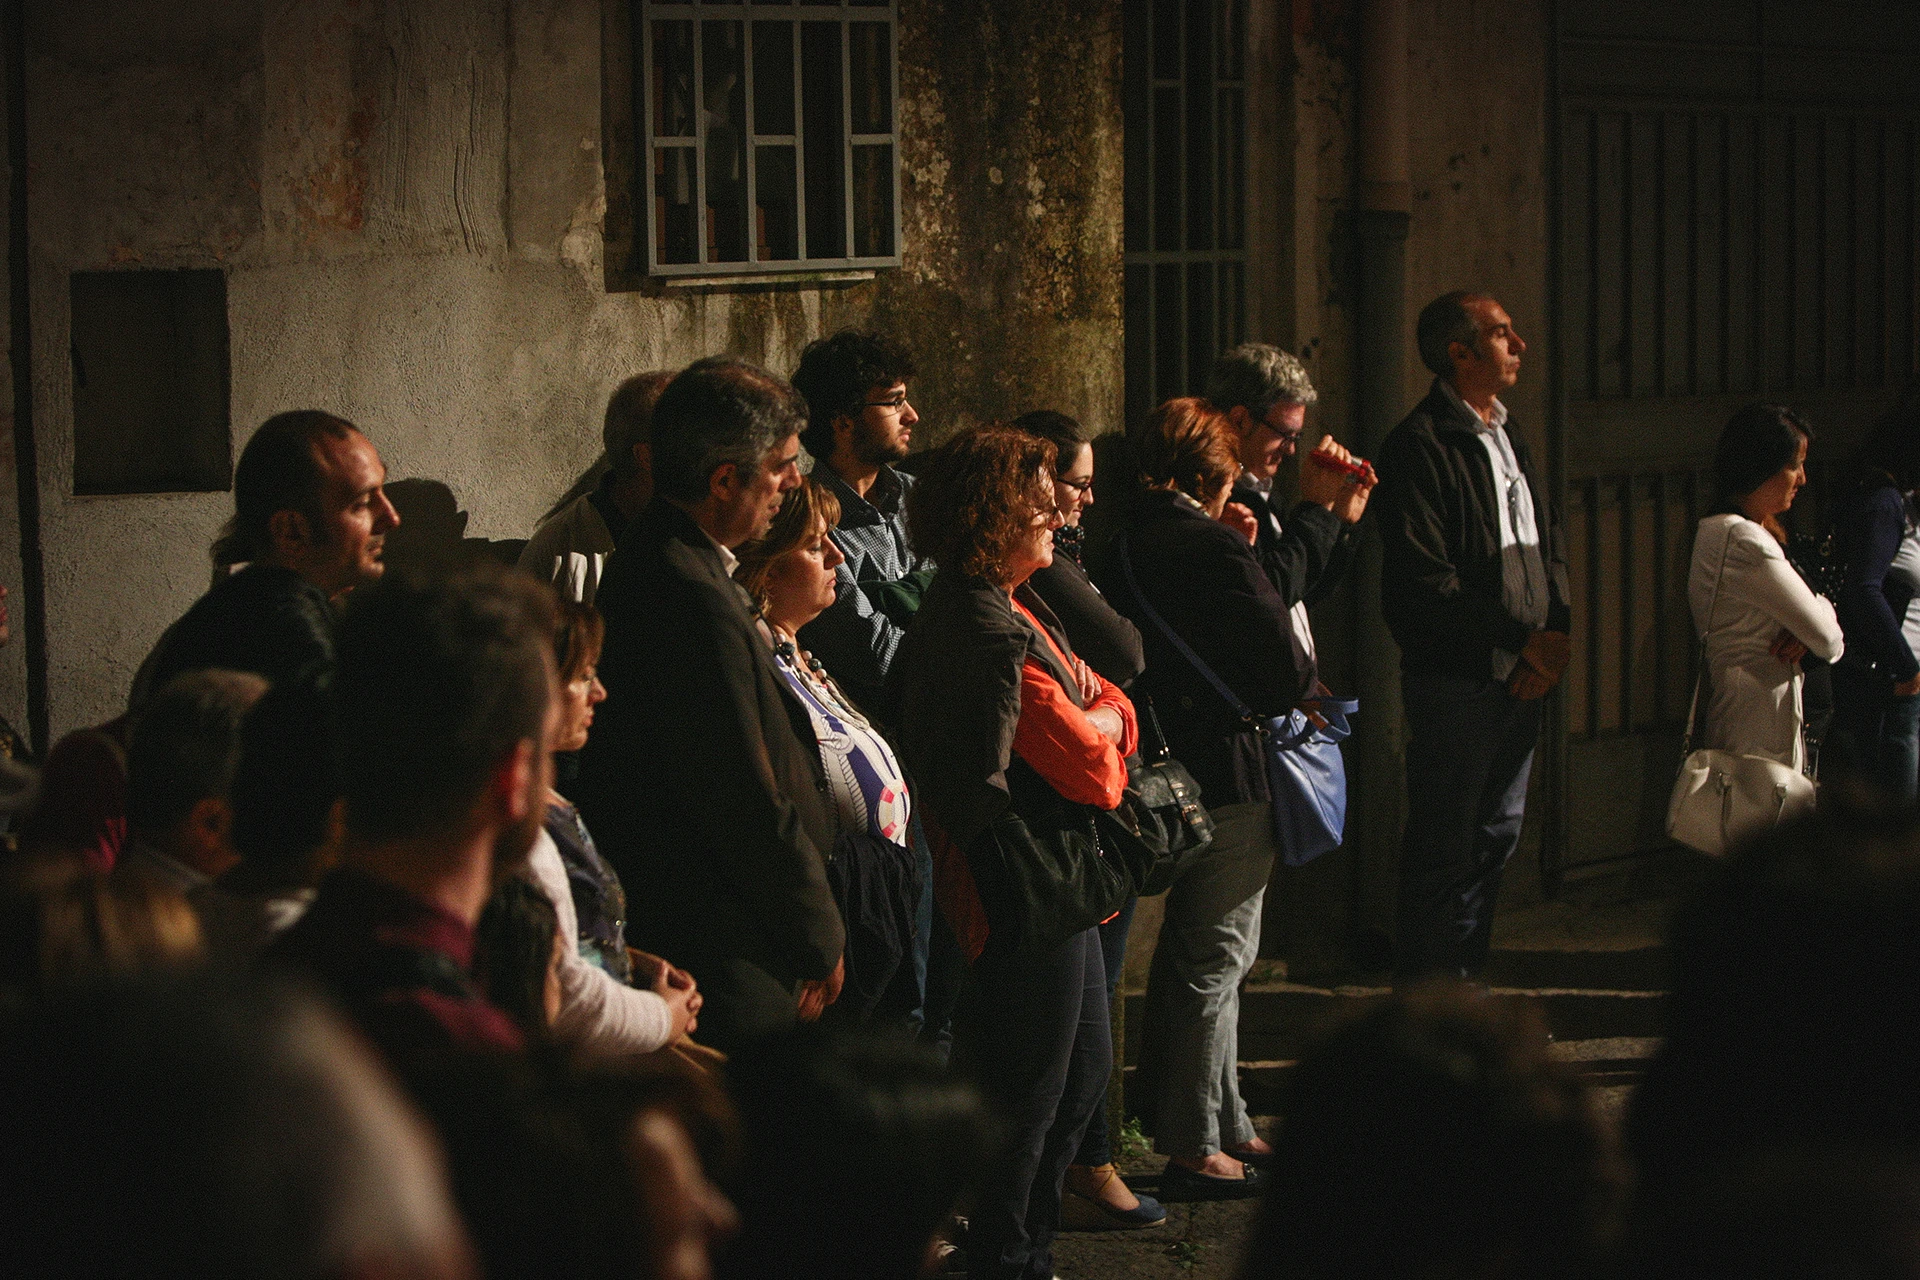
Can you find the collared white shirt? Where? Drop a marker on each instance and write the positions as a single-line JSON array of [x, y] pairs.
[[728, 561], [1523, 571]]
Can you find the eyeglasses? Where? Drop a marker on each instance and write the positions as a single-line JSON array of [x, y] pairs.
[[1044, 512], [895, 402], [1285, 433], [1081, 487]]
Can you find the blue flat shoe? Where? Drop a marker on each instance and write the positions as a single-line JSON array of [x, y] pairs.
[[1086, 1213]]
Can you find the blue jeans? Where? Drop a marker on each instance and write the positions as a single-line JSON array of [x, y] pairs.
[[1469, 753], [1875, 737], [1096, 1148]]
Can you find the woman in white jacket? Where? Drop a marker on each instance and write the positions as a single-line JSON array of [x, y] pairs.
[[1755, 614]]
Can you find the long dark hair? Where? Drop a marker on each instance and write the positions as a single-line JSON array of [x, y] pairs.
[[513, 948], [1755, 445]]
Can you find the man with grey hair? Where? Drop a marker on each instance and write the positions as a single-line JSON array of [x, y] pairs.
[[1474, 587], [699, 787], [1264, 392], [574, 539]]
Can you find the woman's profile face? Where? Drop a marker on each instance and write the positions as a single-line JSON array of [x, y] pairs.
[[1034, 551], [800, 584], [1073, 486], [578, 697], [1776, 494]]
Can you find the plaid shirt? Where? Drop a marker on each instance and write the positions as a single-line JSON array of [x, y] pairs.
[[853, 640]]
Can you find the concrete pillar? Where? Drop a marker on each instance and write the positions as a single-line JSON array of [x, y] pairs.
[[1376, 799]]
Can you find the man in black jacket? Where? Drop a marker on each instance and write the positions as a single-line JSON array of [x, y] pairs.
[[311, 518], [1264, 392], [1473, 584], [699, 784]]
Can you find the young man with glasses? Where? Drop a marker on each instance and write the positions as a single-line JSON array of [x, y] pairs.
[[859, 423]]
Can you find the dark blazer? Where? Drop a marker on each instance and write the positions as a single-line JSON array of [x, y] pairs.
[[1208, 584], [1869, 525], [700, 784], [263, 619], [1440, 579], [1304, 554], [1102, 638]]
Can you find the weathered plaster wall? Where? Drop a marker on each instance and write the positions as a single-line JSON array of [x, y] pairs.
[[408, 199], [13, 665]]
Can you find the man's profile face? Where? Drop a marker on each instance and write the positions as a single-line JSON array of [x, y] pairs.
[[1266, 442], [1494, 361], [881, 430], [355, 515], [778, 475]]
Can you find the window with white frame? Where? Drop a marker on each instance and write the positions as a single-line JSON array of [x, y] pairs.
[[769, 136]]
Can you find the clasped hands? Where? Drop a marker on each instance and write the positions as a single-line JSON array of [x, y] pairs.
[[1542, 663], [675, 986]]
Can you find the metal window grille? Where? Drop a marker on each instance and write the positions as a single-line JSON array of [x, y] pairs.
[[771, 136], [1186, 193]]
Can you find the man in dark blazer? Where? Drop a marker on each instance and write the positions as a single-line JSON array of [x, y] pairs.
[[699, 785], [1474, 587]]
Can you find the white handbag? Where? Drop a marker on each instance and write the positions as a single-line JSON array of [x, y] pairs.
[[1722, 797]]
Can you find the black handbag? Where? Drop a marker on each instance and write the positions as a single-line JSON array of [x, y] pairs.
[[1161, 811], [1043, 870]]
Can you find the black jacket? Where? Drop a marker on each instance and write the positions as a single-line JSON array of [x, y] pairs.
[[263, 619], [701, 783], [1305, 556], [1440, 581], [1208, 584], [1101, 637]]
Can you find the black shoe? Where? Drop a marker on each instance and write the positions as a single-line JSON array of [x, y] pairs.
[[1261, 1160], [1179, 1184]]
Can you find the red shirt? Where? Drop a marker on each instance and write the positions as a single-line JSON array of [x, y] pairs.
[[1056, 737]]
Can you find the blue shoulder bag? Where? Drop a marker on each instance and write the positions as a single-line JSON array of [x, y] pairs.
[[1305, 772]]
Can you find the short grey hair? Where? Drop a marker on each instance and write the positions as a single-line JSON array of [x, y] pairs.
[[718, 411], [185, 746], [1257, 376]]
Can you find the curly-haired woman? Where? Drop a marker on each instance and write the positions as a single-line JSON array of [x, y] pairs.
[[1001, 723]]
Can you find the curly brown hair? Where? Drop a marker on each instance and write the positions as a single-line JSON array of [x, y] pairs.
[[976, 500], [807, 511], [1189, 443]]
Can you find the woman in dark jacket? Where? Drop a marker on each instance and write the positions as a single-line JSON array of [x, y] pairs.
[[1008, 735], [1200, 574], [1876, 684], [1098, 1198]]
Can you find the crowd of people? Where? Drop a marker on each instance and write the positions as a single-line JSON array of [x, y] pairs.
[[740, 884]]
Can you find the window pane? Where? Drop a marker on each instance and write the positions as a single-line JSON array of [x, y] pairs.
[[1166, 169], [823, 127], [779, 212], [1166, 39], [673, 205], [870, 47], [724, 81], [1233, 167], [773, 78], [1199, 143], [873, 202], [1200, 340], [1169, 336], [673, 79]]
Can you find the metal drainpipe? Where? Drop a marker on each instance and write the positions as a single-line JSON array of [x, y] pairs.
[[1374, 814]]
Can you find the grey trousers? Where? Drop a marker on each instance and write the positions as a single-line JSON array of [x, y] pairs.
[[1208, 942]]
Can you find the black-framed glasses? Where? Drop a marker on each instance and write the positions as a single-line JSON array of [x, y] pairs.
[[1081, 487], [895, 402]]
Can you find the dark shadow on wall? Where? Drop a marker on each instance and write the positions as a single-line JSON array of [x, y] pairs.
[[432, 534]]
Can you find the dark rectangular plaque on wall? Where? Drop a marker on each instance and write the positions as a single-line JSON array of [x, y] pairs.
[[150, 382]]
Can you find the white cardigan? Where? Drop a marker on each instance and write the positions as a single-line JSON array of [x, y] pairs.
[[1755, 707], [598, 1012]]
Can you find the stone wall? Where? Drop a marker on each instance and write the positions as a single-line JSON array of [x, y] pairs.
[[410, 201]]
